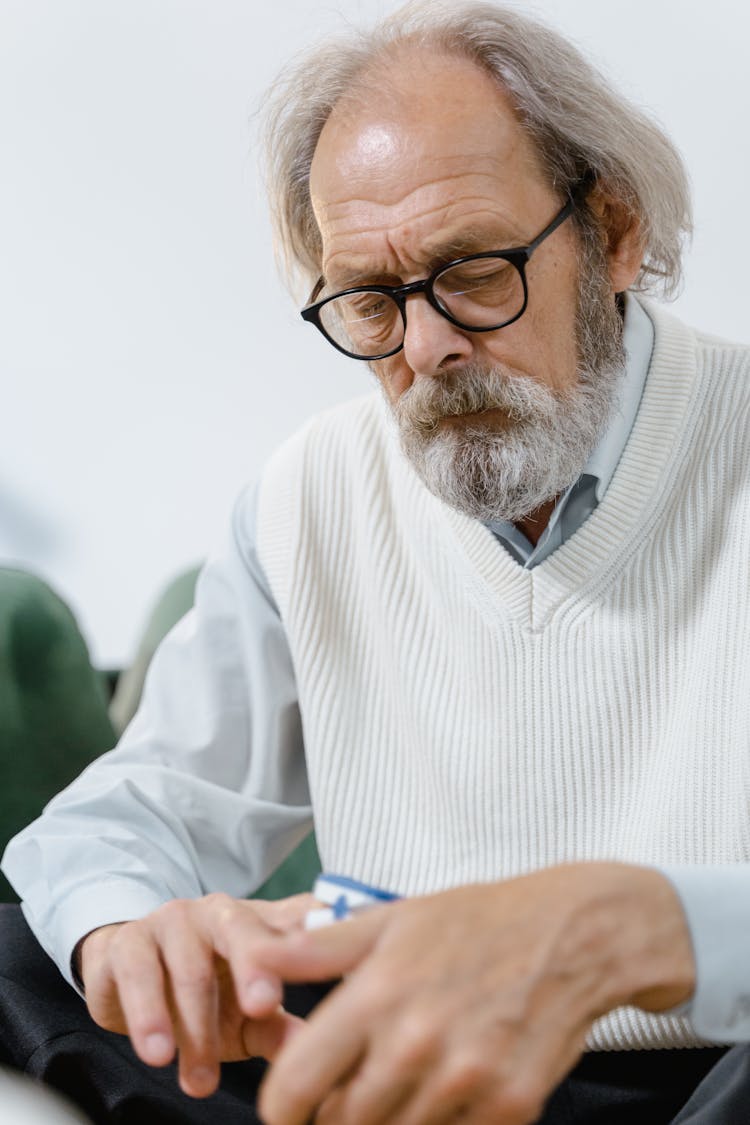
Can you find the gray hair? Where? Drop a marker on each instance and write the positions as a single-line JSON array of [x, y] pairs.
[[577, 122]]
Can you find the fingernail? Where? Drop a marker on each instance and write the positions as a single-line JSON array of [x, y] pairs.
[[159, 1046], [262, 993]]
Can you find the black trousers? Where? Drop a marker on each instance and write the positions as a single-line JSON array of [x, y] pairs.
[[46, 1031]]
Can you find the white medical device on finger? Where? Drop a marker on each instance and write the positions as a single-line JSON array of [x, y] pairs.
[[343, 898]]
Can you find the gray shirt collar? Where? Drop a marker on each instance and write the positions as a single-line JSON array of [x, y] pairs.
[[577, 504]]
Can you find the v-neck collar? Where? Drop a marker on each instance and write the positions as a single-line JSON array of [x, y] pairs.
[[628, 510]]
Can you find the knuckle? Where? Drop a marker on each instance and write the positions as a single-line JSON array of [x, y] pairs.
[[466, 1075], [175, 909], [233, 918], [219, 900], [129, 951], [125, 935], [171, 917], [225, 912], [417, 1041]]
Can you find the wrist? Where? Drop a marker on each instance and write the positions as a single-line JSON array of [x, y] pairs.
[[637, 922], [88, 948]]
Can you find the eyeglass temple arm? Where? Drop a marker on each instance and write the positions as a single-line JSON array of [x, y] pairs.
[[315, 292], [578, 192]]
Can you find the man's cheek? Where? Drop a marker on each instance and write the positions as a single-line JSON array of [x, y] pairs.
[[394, 377]]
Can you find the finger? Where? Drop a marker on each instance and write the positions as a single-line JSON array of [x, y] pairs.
[[368, 1098], [478, 1091], [403, 1055], [323, 954], [138, 977], [312, 1063], [265, 1038], [425, 1111], [233, 928], [191, 977], [458, 1090], [489, 1110], [286, 914], [432, 1105]]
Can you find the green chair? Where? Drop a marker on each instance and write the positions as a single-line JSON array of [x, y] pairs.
[[171, 605], [53, 708], [53, 705]]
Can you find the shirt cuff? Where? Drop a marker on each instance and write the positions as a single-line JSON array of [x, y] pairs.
[[716, 901], [108, 901]]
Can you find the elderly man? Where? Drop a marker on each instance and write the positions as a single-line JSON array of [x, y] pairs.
[[487, 626]]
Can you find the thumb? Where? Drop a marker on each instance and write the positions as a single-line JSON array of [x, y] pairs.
[[323, 954]]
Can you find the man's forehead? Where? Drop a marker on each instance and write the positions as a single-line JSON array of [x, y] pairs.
[[443, 122], [439, 109], [440, 215], [447, 138]]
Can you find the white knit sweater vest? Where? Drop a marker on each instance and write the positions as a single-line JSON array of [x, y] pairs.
[[467, 720]]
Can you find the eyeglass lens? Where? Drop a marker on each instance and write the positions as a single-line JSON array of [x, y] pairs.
[[479, 293]]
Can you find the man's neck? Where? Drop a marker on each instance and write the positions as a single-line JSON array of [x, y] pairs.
[[534, 523]]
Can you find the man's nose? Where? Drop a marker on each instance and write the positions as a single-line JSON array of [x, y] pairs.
[[432, 343]]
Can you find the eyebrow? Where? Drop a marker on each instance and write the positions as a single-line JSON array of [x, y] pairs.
[[436, 253], [468, 242]]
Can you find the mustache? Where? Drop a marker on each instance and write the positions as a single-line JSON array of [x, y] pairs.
[[473, 389]]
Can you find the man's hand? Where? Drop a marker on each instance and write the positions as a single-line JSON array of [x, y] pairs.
[[472, 1004], [184, 979]]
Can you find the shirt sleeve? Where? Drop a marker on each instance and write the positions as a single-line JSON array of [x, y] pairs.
[[716, 901], [207, 789]]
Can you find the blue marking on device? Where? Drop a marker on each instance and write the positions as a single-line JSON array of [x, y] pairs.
[[348, 884]]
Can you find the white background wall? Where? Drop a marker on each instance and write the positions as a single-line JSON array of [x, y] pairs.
[[149, 358]]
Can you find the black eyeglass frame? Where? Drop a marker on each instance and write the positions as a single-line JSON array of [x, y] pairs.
[[517, 256]]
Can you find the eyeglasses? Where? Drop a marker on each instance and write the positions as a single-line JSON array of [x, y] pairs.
[[479, 293]]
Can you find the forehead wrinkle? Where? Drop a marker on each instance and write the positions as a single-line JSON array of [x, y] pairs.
[[362, 223], [432, 173], [485, 226]]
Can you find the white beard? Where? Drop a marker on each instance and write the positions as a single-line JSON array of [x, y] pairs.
[[541, 447]]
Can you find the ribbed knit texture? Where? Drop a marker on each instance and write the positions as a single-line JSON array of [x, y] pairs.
[[468, 720]]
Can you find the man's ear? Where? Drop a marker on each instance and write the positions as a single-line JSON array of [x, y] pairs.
[[626, 245]]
